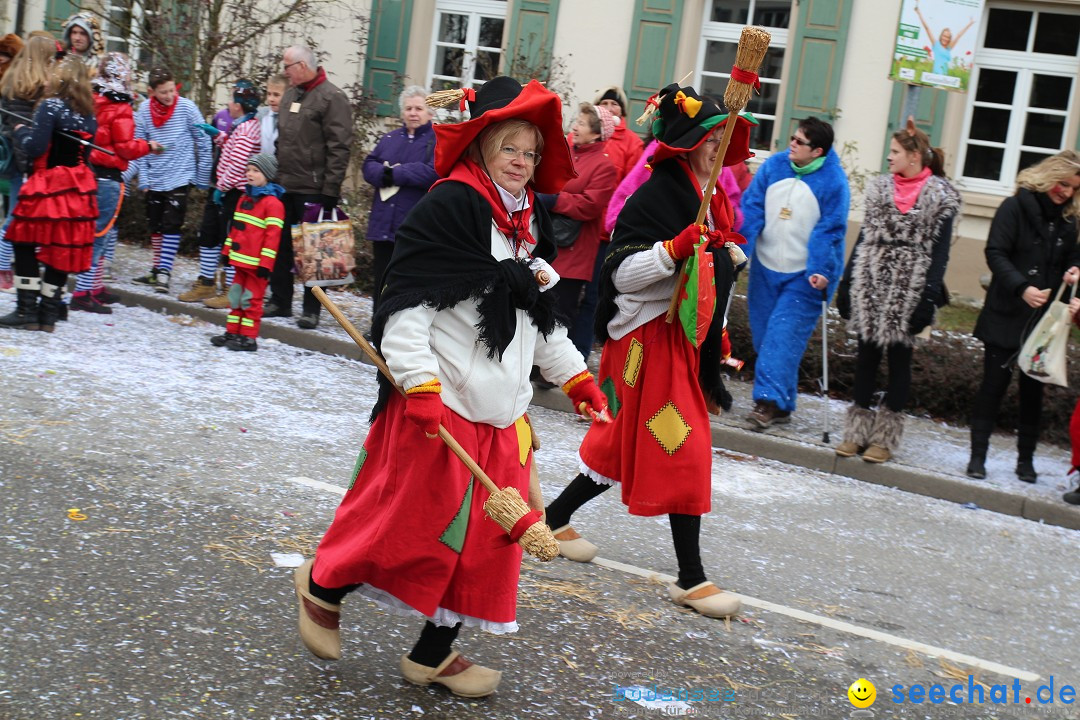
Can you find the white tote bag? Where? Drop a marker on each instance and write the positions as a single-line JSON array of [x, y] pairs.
[[1042, 356]]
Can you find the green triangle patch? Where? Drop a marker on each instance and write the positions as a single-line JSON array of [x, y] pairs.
[[454, 534], [360, 458], [608, 388]]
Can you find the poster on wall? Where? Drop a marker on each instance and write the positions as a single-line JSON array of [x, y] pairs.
[[935, 43]]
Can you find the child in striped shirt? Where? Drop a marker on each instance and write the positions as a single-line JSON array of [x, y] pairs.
[[169, 120]]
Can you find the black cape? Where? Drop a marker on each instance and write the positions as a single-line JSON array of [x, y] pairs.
[[442, 256], [657, 211]]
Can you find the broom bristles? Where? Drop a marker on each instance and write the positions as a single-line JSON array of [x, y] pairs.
[[506, 507], [444, 98], [753, 44]]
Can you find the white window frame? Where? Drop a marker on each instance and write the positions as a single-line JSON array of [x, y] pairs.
[[1025, 64], [132, 44], [730, 33], [474, 9]]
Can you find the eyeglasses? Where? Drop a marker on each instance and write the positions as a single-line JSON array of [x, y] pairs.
[[530, 157], [799, 141], [289, 65]]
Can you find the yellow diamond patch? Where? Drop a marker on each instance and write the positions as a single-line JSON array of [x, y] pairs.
[[669, 428], [632, 366], [524, 438]]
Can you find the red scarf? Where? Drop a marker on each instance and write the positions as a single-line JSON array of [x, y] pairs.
[[723, 216], [160, 114], [319, 79], [907, 189], [516, 226]]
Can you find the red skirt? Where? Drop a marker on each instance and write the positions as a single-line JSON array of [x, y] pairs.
[[659, 447], [412, 530], [56, 210]]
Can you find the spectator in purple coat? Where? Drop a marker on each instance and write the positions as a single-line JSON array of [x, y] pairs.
[[402, 168]]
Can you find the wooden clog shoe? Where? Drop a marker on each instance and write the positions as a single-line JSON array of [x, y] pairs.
[[319, 620], [707, 599], [574, 547], [457, 674]]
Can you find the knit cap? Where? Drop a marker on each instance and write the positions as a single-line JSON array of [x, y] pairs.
[[266, 164], [607, 122], [246, 95]]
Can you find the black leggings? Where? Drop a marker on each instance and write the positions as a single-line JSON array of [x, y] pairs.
[[685, 529], [998, 369], [866, 365], [26, 265], [381, 252]]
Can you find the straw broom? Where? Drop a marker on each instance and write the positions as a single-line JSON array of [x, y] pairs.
[[505, 506], [753, 43]]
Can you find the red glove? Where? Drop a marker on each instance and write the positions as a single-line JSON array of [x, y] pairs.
[[587, 398], [682, 245], [424, 406]]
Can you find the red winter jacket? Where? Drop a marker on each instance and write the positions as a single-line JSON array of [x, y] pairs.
[[255, 232], [586, 198], [116, 131]]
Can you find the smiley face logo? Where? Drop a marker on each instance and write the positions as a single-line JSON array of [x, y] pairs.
[[862, 693]]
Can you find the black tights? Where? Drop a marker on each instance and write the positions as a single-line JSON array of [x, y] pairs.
[[998, 367], [685, 529], [866, 365], [26, 265], [435, 641]]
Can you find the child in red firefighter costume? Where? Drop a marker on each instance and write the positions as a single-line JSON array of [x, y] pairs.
[[251, 247], [461, 321], [660, 386]]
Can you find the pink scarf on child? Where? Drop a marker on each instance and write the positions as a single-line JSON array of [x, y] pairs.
[[907, 189]]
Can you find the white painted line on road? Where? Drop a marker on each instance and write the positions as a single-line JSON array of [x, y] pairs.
[[841, 626], [319, 485], [828, 622]]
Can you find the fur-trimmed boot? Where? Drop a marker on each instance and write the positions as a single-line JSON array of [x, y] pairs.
[[885, 436], [51, 300], [25, 315], [857, 426]]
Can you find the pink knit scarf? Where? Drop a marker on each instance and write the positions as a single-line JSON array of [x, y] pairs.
[[907, 189]]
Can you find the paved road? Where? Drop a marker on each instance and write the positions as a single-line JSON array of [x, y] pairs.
[[164, 602]]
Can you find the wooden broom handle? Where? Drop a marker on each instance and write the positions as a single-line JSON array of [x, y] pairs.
[[374, 356], [706, 198]]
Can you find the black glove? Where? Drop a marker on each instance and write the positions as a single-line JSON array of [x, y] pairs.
[[387, 177], [262, 272], [235, 247], [921, 317], [843, 300], [547, 200], [223, 260], [329, 202]]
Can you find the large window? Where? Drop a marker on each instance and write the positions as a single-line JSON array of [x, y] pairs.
[[724, 21], [1021, 92], [466, 43]]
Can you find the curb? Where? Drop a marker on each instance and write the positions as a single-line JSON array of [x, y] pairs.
[[942, 487]]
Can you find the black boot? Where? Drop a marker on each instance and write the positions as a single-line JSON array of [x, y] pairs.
[[1072, 497], [51, 304], [242, 343], [1026, 439], [25, 315], [980, 442]]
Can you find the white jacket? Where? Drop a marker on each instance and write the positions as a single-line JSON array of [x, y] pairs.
[[420, 344]]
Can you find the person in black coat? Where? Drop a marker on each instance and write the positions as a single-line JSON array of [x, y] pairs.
[[1032, 243]]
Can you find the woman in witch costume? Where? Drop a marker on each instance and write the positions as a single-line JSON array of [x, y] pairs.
[[462, 319], [660, 386], [53, 221]]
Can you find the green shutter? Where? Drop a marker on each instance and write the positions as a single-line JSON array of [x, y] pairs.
[[531, 38], [56, 12], [654, 39], [929, 116], [387, 50], [817, 58]]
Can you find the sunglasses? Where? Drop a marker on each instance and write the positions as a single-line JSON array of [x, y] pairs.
[[799, 141]]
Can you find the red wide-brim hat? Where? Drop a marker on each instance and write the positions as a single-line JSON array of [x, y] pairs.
[[503, 98]]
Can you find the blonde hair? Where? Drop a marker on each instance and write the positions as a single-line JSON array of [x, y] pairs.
[[70, 81], [1047, 173], [29, 73], [491, 140]]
